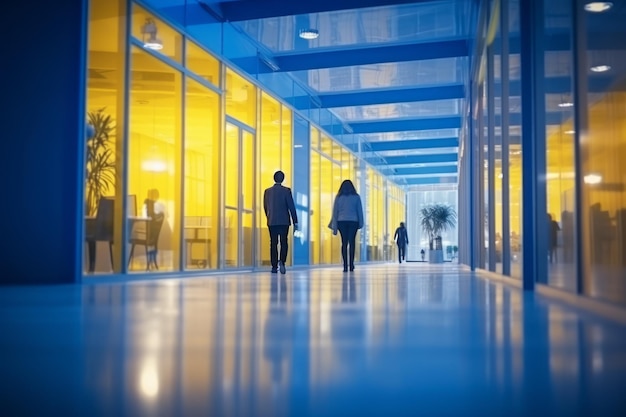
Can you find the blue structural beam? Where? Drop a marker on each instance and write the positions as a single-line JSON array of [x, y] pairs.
[[431, 180], [366, 55], [384, 96], [234, 11], [398, 125], [434, 170], [414, 159], [561, 85], [413, 144]]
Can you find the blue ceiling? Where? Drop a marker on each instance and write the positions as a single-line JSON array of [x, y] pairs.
[[392, 73]]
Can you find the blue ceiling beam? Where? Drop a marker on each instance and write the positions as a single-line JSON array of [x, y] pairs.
[[414, 159], [346, 57], [560, 85], [235, 11], [434, 170], [384, 96], [398, 125], [431, 180], [413, 144]]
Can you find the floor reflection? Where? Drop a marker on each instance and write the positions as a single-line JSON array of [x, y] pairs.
[[380, 341]]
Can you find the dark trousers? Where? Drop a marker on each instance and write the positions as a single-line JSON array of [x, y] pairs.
[[348, 236], [278, 233], [401, 252]]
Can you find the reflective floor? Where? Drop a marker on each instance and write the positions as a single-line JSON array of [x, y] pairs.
[[385, 340]]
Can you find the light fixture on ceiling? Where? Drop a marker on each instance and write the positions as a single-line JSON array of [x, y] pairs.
[[309, 34], [149, 32], [569, 132], [600, 68], [592, 179], [566, 104], [598, 6]]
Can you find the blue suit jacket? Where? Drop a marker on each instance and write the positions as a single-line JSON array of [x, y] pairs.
[[278, 205]]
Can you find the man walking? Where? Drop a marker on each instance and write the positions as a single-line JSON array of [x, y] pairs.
[[279, 206]]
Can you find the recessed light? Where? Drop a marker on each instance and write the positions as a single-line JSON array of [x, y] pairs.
[[566, 104], [598, 6], [569, 132], [309, 34], [600, 68]]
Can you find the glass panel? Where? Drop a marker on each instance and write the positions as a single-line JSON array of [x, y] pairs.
[[315, 207], [202, 63], [515, 144], [104, 92], [201, 176], [560, 153], [240, 98], [231, 237], [336, 183], [231, 171], [315, 138], [248, 238], [154, 162], [247, 170], [155, 34], [604, 151], [269, 162], [326, 201]]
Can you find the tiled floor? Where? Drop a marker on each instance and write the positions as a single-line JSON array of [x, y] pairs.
[[385, 340]]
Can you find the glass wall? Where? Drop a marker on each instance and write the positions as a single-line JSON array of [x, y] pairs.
[[560, 146], [105, 115], [601, 135], [186, 161], [577, 118], [154, 163]]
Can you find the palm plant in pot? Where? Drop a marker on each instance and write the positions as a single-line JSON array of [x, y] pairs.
[[435, 219], [100, 160]]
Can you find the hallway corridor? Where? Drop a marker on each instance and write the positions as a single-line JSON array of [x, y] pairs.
[[386, 340]]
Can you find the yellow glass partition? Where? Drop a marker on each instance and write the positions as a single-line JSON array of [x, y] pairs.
[[105, 90], [202, 118], [241, 98], [154, 165], [202, 63]]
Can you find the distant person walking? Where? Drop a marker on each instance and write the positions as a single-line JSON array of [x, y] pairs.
[[280, 210], [402, 240], [348, 219]]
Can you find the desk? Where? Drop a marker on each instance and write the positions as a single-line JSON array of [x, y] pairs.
[[194, 234]]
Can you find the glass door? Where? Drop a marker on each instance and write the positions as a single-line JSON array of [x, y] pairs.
[[239, 197]]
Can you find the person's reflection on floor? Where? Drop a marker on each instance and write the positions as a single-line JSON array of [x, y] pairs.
[[348, 290], [277, 332]]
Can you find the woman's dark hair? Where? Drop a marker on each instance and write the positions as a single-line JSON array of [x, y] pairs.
[[347, 188]]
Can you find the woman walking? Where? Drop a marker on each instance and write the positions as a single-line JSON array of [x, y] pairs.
[[347, 218]]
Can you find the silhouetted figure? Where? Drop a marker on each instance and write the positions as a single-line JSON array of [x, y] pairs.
[[423, 253], [280, 210], [348, 219], [402, 240], [554, 229]]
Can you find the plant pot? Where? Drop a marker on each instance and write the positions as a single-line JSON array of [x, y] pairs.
[[435, 256]]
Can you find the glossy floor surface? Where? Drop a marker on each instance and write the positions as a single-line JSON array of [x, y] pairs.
[[385, 340]]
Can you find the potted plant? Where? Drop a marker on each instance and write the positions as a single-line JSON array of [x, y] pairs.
[[435, 219], [100, 160]]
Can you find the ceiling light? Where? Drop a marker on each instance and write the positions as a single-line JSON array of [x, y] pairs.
[[150, 40], [569, 132], [566, 104], [309, 34], [592, 179], [598, 6], [601, 68]]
